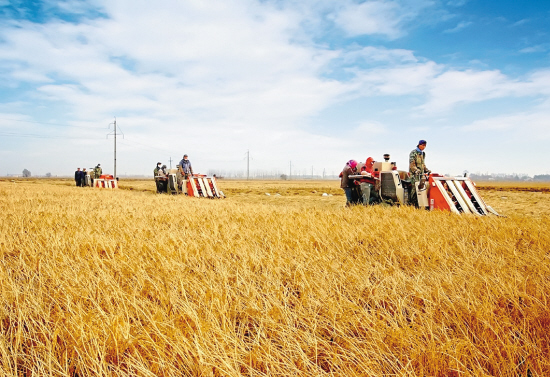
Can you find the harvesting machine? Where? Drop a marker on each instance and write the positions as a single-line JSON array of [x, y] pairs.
[[433, 191], [104, 181], [197, 185]]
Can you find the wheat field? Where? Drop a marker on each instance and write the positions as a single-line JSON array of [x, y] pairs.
[[126, 282]]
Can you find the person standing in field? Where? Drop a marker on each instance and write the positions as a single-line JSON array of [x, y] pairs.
[[347, 184], [92, 176], [417, 169], [156, 175], [98, 171], [367, 183], [84, 183], [162, 175], [185, 166], [185, 171], [78, 177]]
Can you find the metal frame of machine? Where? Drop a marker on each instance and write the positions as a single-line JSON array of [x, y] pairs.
[[106, 181], [202, 186], [458, 195]]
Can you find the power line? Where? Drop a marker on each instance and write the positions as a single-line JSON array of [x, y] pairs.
[[36, 136], [150, 148], [50, 124]]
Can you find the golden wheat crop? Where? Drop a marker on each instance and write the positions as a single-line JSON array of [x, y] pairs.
[[126, 282]]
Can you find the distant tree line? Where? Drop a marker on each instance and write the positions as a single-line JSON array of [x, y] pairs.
[[500, 177]]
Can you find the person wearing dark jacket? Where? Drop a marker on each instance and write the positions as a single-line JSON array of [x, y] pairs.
[[185, 170], [347, 184], [185, 167], [156, 175], [78, 177]]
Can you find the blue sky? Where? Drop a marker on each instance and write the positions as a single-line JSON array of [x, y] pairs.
[[314, 82]]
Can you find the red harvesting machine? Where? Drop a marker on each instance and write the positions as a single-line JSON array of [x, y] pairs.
[[199, 185], [434, 191]]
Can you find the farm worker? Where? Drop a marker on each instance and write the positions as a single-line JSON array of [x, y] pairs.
[[78, 177], [367, 184], [84, 174], [347, 184], [82, 178], [162, 177], [92, 176], [185, 166], [185, 171], [98, 171], [156, 174], [417, 169]]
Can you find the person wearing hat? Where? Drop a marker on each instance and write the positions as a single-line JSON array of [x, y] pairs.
[[347, 184], [98, 171], [156, 175], [417, 169], [185, 171]]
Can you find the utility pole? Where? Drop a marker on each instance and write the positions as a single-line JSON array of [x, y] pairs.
[[248, 164], [114, 133], [115, 148], [290, 175], [311, 171], [170, 162]]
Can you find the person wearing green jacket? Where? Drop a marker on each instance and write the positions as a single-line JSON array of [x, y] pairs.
[[98, 171], [417, 169]]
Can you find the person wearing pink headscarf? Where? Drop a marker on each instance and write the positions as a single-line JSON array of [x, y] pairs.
[[346, 184]]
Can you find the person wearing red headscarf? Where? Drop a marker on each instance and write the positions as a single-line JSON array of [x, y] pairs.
[[347, 184], [368, 192], [368, 167]]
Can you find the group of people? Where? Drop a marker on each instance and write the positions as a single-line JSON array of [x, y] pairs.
[[185, 170], [80, 176], [367, 192]]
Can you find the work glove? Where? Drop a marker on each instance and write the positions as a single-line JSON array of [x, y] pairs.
[[417, 172], [428, 171]]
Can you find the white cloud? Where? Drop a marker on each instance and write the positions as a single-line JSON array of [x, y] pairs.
[[217, 78], [534, 49], [368, 128], [458, 87], [457, 3], [224, 74], [525, 126], [221, 57], [383, 17], [372, 54], [461, 25], [521, 22], [399, 80]]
